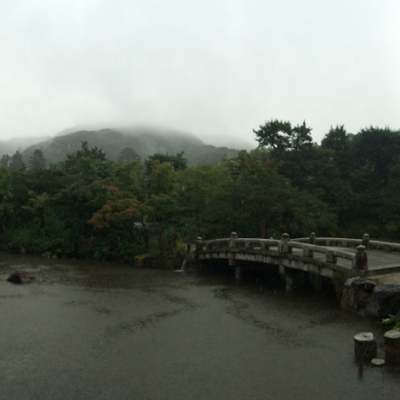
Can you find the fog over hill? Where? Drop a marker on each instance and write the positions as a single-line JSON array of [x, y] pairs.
[[214, 140], [144, 139], [12, 145]]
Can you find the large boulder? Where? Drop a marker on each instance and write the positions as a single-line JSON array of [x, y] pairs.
[[21, 277], [388, 297], [357, 294], [370, 298]]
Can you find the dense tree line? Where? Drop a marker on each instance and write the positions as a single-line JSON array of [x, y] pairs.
[[131, 210], [356, 175]]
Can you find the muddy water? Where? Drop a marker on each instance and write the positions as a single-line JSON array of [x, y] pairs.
[[96, 331]]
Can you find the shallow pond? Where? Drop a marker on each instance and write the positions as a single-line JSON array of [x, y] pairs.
[[91, 330]]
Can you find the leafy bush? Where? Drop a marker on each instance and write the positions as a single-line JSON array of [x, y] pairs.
[[393, 319]]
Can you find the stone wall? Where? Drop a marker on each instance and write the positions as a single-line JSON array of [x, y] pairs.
[[370, 298]]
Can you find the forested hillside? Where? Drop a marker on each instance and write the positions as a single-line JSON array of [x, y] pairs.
[[18, 144], [142, 141], [91, 206]]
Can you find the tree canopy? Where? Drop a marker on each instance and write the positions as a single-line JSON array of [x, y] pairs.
[[130, 210]]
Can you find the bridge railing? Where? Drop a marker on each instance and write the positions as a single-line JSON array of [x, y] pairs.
[[236, 244], [387, 246], [255, 244], [331, 256], [350, 242], [331, 241], [281, 247]]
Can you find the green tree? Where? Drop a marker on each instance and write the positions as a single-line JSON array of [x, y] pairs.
[[375, 152], [389, 210], [4, 160], [337, 139], [84, 157], [161, 179], [204, 202], [37, 160], [274, 134], [281, 137], [178, 161], [119, 208], [16, 161], [132, 177], [290, 146], [267, 204], [128, 154], [6, 197]]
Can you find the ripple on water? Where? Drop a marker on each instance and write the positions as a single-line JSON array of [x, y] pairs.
[[92, 330]]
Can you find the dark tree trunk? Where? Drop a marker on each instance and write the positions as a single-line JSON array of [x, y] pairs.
[[262, 223]]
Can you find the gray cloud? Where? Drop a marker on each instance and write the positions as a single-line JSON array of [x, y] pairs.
[[212, 68]]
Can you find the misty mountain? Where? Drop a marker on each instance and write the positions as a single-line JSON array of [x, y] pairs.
[[12, 145], [222, 140], [144, 140]]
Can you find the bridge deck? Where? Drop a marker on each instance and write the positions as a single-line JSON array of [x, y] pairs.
[[322, 258], [379, 261]]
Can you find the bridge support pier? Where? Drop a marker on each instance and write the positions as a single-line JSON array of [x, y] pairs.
[[285, 272], [238, 273], [289, 283]]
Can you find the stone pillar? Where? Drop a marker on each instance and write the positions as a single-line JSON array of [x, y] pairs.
[[312, 239], [198, 243], [361, 258], [331, 257], [392, 347], [307, 252], [232, 245], [289, 283], [365, 241], [283, 246], [232, 239], [365, 346]]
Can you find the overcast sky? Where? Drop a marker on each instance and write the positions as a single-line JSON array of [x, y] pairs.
[[211, 67]]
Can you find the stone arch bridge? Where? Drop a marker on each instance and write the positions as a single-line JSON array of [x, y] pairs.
[[323, 256]]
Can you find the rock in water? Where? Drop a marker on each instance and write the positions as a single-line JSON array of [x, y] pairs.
[[378, 362], [392, 347], [365, 346], [21, 277]]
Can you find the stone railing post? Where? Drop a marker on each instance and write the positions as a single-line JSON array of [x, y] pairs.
[[365, 241], [283, 246], [232, 245], [265, 246], [361, 258], [232, 240], [307, 252], [198, 243], [312, 239], [331, 257]]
